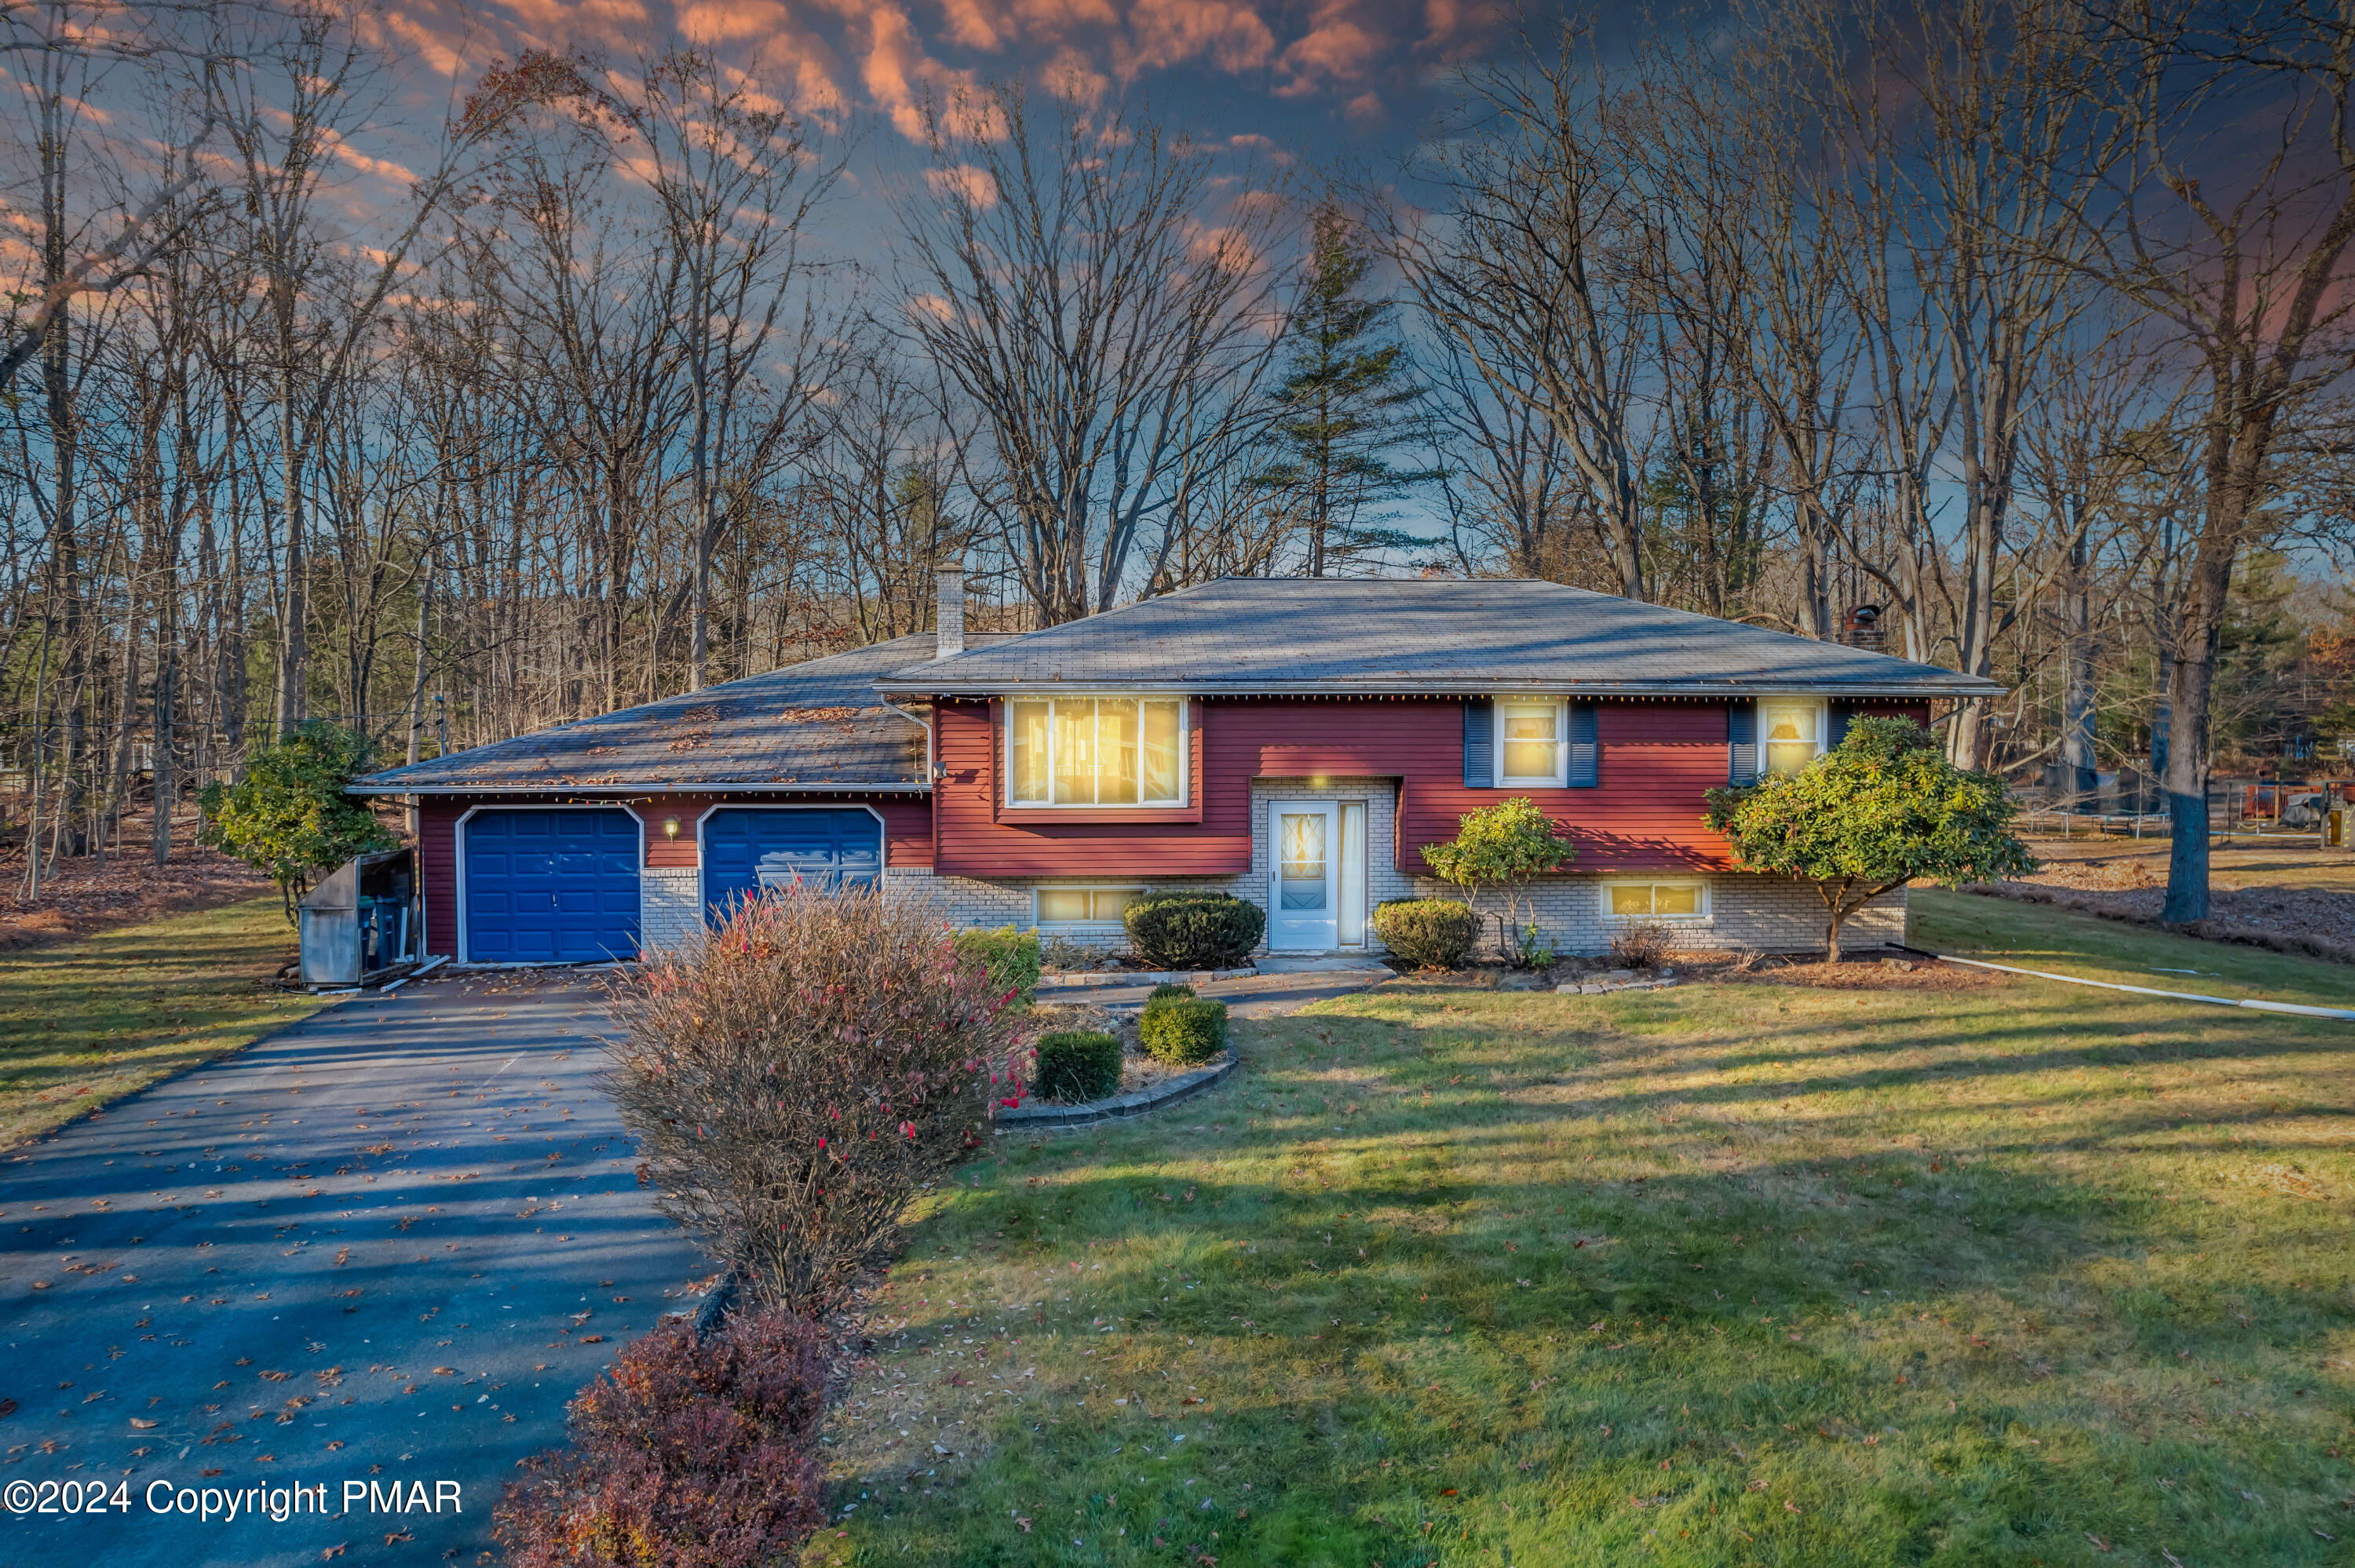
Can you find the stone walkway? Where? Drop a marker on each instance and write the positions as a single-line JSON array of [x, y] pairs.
[[1281, 986]]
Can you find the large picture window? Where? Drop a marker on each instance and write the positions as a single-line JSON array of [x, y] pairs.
[[1095, 751]]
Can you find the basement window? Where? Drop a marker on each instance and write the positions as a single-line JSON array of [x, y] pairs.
[[1656, 900], [1082, 908]]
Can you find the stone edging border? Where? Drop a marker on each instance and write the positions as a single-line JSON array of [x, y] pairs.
[[1063, 978], [1184, 1086]]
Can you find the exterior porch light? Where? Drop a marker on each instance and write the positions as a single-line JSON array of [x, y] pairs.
[[670, 827]]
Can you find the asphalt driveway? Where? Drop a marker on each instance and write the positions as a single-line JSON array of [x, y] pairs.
[[363, 1264]]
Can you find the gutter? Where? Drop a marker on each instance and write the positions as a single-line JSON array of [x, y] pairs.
[[931, 763]]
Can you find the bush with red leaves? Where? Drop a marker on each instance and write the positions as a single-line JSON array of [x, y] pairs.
[[685, 1455], [795, 1080]]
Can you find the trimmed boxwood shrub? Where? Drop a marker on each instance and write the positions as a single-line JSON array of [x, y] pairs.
[[1194, 930], [1076, 1066], [1010, 955], [1183, 1031], [1429, 933], [1160, 991]]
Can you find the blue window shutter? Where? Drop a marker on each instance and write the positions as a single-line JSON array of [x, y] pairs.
[[1836, 725], [1585, 751], [1479, 744], [1741, 743]]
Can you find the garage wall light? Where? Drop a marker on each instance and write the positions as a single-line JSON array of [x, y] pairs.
[[670, 827]]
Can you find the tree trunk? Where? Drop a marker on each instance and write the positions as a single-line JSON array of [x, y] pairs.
[[293, 652], [168, 674], [2077, 752], [2188, 699]]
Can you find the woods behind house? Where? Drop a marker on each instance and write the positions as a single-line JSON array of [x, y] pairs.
[[2024, 324]]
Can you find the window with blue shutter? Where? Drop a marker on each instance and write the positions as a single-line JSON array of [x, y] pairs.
[[1836, 727], [1479, 744], [1741, 743], [1585, 751]]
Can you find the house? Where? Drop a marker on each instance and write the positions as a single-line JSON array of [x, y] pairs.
[[1297, 742]]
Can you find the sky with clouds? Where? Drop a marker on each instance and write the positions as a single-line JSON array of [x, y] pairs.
[[1317, 78]]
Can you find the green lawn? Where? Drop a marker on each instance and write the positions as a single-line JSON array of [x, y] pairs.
[[86, 1021], [2038, 936], [1732, 1273]]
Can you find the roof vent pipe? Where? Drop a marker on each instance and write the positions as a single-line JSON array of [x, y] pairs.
[[950, 616]]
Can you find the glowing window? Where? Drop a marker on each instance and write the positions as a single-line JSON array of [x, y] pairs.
[[1656, 900], [1095, 751], [1529, 743], [1790, 733], [1085, 907]]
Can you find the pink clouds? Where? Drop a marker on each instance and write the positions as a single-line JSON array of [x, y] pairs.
[[894, 57], [1337, 49], [974, 186], [1164, 32]]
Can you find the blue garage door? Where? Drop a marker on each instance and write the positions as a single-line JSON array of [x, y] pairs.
[[551, 887], [746, 849]]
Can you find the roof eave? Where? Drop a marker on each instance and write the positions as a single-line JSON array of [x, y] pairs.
[[650, 787], [1959, 686]]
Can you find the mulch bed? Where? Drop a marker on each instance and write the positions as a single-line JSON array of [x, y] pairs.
[[1137, 1070], [1872, 973]]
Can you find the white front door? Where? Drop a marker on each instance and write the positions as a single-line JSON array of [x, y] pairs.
[[1303, 866]]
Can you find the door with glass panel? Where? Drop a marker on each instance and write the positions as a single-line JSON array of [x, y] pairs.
[[1303, 867]]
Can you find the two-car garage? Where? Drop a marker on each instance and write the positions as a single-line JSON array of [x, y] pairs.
[[563, 884]]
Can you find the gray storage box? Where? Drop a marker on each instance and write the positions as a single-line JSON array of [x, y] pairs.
[[361, 920]]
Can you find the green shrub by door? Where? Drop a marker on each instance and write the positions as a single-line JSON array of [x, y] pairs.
[[1428, 932], [1194, 930], [1076, 1066]]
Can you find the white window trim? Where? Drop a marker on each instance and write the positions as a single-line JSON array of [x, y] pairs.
[[1823, 725], [1603, 894], [1038, 923], [1006, 744], [1559, 778]]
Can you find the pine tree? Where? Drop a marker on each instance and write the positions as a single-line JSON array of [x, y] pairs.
[[1345, 404]]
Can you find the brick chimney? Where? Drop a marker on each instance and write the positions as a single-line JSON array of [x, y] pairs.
[[1861, 627], [950, 615]]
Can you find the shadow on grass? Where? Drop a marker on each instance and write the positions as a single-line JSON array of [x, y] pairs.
[[1587, 1299], [84, 1022]]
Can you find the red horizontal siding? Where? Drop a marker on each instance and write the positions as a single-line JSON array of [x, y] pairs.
[[1659, 761], [977, 837], [437, 870]]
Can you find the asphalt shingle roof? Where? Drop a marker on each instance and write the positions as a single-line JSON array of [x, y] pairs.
[[823, 724], [814, 726], [1282, 635]]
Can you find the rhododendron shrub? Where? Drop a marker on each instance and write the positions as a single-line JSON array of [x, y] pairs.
[[686, 1455], [795, 1079]]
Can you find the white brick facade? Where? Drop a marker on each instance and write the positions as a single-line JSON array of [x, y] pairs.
[[1746, 912], [670, 907]]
